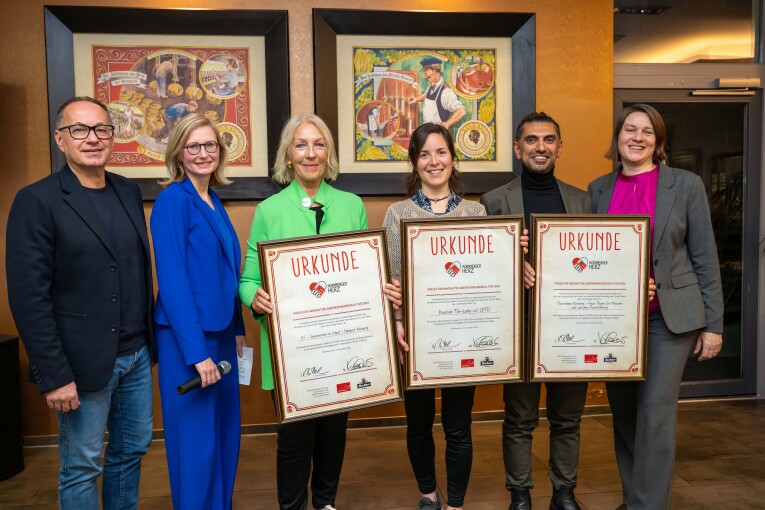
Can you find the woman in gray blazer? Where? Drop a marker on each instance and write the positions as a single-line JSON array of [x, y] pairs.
[[685, 316]]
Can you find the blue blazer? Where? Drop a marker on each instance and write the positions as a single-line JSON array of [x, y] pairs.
[[197, 272]]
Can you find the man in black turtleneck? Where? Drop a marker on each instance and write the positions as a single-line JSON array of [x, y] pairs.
[[537, 145]]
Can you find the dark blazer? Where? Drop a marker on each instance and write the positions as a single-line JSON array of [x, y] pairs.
[[508, 199], [685, 264], [197, 282], [63, 276]]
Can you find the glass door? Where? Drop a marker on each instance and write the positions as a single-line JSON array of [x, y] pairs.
[[718, 138]]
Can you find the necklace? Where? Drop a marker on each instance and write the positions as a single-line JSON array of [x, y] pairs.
[[438, 199]]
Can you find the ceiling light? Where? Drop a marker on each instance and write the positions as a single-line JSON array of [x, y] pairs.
[[640, 10]]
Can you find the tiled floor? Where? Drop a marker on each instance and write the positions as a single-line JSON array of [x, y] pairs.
[[720, 465]]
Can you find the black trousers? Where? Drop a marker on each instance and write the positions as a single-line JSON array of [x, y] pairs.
[[319, 441], [565, 404], [456, 406]]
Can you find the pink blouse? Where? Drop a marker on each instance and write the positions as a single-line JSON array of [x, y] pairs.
[[636, 194]]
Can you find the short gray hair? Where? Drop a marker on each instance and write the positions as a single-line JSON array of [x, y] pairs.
[[79, 99]]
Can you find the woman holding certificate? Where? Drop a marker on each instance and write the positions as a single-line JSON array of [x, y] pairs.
[[686, 314], [198, 318], [433, 187], [305, 161]]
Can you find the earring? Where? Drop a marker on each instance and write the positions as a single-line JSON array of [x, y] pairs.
[[289, 164]]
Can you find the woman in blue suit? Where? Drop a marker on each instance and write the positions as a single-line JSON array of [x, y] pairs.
[[198, 318]]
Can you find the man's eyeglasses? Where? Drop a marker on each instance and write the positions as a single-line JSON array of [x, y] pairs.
[[81, 131], [194, 148]]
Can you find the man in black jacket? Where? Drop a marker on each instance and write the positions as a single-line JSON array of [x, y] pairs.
[[537, 145], [80, 290]]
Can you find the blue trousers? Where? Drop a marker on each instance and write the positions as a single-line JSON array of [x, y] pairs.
[[202, 427], [124, 407]]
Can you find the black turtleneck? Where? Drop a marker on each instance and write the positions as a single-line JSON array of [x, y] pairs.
[[540, 194]]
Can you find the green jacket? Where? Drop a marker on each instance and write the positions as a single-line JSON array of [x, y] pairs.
[[283, 216]]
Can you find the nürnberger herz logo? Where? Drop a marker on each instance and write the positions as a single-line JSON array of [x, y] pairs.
[[579, 263], [595, 264], [467, 363], [343, 387], [335, 287], [453, 268], [318, 288]]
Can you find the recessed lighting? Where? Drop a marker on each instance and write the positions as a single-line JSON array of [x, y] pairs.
[[640, 10]]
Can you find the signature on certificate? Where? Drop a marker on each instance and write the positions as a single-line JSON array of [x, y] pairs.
[[484, 341], [357, 363], [568, 338], [444, 345], [314, 372], [611, 337]]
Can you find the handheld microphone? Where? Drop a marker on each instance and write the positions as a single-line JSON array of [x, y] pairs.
[[224, 367]]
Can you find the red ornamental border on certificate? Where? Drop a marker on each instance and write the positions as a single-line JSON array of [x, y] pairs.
[[634, 367], [512, 369], [291, 406], [109, 58]]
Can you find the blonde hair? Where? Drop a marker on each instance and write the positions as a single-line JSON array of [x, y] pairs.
[[178, 138], [283, 171]]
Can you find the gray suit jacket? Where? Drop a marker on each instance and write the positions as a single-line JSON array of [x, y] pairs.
[[685, 264], [508, 199]]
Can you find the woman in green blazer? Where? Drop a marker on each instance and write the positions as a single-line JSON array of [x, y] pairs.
[[305, 161]]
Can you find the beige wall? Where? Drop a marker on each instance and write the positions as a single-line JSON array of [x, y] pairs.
[[574, 85]]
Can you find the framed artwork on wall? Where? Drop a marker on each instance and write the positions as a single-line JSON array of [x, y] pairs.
[[384, 93], [380, 74], [151, 67]]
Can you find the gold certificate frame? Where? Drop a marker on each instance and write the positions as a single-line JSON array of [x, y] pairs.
[[331, 334], [589, 308], [463, 282]]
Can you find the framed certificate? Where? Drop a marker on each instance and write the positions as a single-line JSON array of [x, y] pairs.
[[331, 333], [590, 302], [463, 283]]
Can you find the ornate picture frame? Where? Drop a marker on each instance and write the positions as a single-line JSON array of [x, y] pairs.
[[62, 23], [330, 24]]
